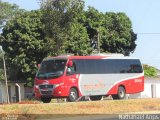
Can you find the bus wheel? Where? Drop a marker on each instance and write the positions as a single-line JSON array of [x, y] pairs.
[[115, 97], [121, 93], [73, 95], [95, 98], [46, 100]]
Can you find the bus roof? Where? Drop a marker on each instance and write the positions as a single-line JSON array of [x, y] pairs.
[[91, 57]]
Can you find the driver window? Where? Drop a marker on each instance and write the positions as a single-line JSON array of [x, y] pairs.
[[71, 69]]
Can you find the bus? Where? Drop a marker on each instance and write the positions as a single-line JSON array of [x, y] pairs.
[[73, 77]]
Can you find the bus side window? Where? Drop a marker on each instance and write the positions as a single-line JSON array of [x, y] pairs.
[[71, 69]]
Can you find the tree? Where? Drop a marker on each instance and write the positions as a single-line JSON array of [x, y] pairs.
[[78, 42], [24, 42], [118, 36], [8, 11], [94, 23], [64, 31], [111, 31], [114, 30]]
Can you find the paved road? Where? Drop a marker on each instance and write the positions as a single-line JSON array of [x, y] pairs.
[[140, 116], [83, 117]]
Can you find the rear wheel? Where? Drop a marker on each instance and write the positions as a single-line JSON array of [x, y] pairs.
[[73, 95], [95, 98], [121, 93], [46, 100]]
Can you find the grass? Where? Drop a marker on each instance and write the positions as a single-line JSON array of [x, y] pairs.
[[87, 107], [84, 108]]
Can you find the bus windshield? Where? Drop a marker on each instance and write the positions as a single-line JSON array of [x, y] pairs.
[[51, 68]]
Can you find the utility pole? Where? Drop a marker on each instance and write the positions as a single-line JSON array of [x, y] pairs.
[[98, 42], [5, 73]]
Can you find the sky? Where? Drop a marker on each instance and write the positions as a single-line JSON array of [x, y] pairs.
[[145, 18]]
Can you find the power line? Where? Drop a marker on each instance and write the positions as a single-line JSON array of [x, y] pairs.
[[158, 33]]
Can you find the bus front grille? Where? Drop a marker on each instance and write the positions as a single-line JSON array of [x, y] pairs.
[[46, 92], [46, 86], [46, 89]]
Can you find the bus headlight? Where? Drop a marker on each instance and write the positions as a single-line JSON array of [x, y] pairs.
[[36, 86], [57, 85]]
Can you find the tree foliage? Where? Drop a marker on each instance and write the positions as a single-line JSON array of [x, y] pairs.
[[24, 41], [114, 29], [78, 41], [8, 11], [64, 31]]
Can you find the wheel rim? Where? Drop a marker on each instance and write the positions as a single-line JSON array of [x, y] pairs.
[[121, 93], [73, 95]]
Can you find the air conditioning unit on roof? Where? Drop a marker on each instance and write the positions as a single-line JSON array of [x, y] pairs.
[[108, 54]]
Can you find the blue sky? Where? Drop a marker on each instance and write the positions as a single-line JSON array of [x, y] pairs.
[[145, 18]]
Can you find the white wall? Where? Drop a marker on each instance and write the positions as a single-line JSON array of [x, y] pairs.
[[1, 95], [151, 90], [22, 91], [13, 93]]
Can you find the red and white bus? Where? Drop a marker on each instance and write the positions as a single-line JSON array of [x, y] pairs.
[[72, 77]]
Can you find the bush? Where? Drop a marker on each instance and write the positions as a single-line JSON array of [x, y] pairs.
[[150, 71]]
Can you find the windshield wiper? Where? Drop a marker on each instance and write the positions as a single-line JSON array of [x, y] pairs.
[[49, 75]]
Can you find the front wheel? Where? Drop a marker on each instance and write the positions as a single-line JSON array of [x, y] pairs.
[[121, 93], [73, 95], [46, 100]]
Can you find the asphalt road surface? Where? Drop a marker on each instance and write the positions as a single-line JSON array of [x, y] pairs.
[[82, 117]]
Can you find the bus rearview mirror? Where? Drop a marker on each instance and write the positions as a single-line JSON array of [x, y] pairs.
[[70, 63]]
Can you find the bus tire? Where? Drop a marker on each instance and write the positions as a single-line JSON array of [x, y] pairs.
[[121, 93], [73, 95], [115, 97], [95, 98], [46, 100]]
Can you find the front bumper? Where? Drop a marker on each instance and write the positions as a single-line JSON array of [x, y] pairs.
[[52, 91]]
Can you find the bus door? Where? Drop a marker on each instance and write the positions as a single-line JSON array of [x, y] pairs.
[[70, 74]]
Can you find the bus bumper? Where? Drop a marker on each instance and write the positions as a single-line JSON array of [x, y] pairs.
[[55, 92]]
